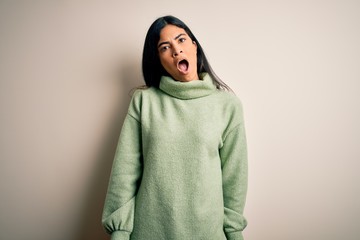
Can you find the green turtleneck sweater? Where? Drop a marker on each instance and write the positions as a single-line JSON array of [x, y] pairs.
[[180, 168]]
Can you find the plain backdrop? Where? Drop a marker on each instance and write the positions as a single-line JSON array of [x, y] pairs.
[[67, 69]]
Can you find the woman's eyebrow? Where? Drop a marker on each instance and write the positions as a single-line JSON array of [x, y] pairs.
[[181, 34], [167, 42]]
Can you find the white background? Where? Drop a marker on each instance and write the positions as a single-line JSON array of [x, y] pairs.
[[66, 72]]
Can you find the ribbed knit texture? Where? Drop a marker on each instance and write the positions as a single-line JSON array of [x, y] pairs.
[[180, 168]]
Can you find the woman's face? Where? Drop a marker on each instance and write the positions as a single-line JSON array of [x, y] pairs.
[[177, 53]]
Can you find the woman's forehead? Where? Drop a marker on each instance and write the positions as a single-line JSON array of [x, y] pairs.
[[171, 32]]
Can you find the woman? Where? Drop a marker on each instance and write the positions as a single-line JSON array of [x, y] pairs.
[[180, 168]]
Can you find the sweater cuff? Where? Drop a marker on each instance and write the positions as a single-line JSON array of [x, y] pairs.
[[234, 235], [120, 235]]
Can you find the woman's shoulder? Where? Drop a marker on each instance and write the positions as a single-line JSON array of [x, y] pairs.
[[229, 99], [143, 91]]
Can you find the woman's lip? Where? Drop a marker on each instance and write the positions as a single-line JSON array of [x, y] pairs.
[[182, 71]]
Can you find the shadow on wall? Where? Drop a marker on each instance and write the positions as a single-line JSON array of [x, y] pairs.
[[128, 77]]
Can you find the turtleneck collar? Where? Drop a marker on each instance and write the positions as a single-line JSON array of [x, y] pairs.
[[188, 90]]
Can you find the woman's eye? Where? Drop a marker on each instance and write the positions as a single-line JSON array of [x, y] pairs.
[[164, 48], [182, 39]]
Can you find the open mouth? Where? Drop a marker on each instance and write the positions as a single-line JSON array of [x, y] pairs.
[[183, 66]]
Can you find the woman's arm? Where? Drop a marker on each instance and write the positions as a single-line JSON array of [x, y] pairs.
[[234, 176], [118, 213]]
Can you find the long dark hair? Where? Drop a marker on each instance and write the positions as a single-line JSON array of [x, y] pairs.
[[151, 66]]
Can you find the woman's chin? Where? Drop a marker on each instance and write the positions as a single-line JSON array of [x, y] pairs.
[[186, 77]]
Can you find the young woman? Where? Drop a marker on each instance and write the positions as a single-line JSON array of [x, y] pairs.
[[180, 168]]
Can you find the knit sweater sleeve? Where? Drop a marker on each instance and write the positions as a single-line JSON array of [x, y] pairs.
[[119, 207], [234, 175]]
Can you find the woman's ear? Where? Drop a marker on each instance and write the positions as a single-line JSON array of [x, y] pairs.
[[195, 44]]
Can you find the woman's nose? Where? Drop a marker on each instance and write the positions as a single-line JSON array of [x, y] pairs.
[[176, 52]]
